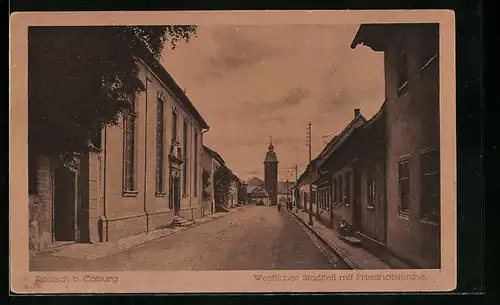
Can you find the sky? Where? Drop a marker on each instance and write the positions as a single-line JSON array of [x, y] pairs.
[[254, 82]]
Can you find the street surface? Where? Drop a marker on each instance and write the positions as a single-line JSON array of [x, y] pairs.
[[255, 237]]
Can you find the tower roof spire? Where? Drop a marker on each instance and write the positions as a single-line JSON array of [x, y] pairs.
[[271, 155]]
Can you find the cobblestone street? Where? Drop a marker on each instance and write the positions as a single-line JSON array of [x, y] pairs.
[[256, 237]]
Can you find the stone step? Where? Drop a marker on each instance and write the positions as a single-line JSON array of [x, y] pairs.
[[181, 222]]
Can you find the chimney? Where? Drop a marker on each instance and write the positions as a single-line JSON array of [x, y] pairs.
[[357, 112]]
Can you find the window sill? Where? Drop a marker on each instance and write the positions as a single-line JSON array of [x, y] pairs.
[[427, 221], [160, 194], [403, 89], [126, 193], [404, 215], [370, 207], [428, 63]]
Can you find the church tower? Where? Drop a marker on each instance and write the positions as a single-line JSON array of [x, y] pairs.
[[271, 174]]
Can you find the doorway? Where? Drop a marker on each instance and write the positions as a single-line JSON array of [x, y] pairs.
[[65, 210], [177, 194]]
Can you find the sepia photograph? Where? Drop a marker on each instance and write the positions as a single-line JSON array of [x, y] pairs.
[[304, 148]]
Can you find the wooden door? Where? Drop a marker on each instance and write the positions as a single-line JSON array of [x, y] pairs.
[[177, 195]]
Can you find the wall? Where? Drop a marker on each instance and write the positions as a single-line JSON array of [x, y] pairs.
[[95, 194], [40, 208], [412, 125], [324, 195], [371, 167]]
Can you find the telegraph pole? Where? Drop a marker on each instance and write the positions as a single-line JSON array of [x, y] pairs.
[[310, 175], [294, 196]]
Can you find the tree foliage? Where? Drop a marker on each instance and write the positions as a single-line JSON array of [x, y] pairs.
[[83, 78], [223, 178], [242, 194], [206, 184]]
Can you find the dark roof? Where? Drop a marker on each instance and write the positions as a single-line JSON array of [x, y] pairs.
[[253, 183], [259, 192], [271, 157], [235, 178], [168, 80], [377, 35], [304, 174], [215, 155], [330, 147], [377, 116]]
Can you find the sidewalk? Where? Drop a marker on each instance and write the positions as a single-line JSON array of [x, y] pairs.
[[92, 251], [355, 256]]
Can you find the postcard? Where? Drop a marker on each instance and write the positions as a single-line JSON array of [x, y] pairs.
[[232, 151]]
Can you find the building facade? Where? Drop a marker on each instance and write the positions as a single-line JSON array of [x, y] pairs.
[[285, 192], [411, 55], [212, 161], [271, 174], [234, 192], [306, 190], [337, 175], [259, 196], [151, 165]]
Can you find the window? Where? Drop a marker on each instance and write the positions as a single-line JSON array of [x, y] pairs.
[[195, 174], [348, 189], [335, 191], [404, 186], [370, 188], [322, 199], [325, 199], [174, 125], [402, 71], [329, 196], [341, 191], [430, 186], [184, 150], [130, 157], [160, 151]]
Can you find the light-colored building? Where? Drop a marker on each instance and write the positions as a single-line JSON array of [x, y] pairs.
[[259, 196], [285, 192], [253, 183], [151, 165]]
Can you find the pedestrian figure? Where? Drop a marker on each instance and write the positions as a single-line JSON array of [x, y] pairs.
[[279, 207]]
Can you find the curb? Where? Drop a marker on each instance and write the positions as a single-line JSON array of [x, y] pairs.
[[344, 256], [121, 248]]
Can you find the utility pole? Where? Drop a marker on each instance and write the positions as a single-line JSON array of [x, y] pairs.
[[294, 196], [310, 175]]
